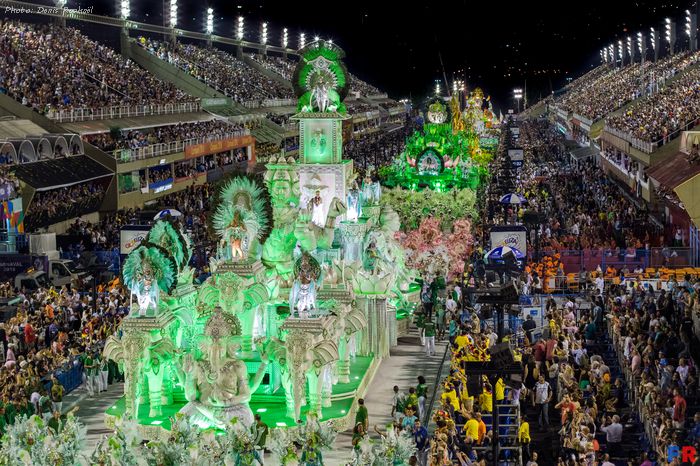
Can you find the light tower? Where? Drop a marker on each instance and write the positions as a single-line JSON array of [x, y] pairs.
[[641, 46], [285, 38], [655, 42], [517, 95], [124, 9], [691, 30], [621, 53], [263, 33], [630, 49], [670, 28], [240, 28], [302, 40], [611, 53], [173, 13]]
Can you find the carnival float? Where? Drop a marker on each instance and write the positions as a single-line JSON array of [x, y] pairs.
[[302, 301], [451, 150]]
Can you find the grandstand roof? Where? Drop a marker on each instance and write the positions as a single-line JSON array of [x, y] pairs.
[[674, 171], [57, 173]]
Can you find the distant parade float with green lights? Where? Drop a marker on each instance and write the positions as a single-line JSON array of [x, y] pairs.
[[308, 291], [451, 151]]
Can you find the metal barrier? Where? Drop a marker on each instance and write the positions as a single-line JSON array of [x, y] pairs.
[[576, 260], [116, 112], [165, 148], [429, 408]]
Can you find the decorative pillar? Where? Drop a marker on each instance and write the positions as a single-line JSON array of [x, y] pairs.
[[327, 387], [315, 380], [342, 368]]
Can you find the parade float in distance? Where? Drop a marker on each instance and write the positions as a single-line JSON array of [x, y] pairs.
[[451, 150], [302, 301]]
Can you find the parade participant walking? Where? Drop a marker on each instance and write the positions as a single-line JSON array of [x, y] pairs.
[[429, 327]]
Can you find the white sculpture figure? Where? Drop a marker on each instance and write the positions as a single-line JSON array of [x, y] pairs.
[[302, 296], [217, 387], [354, 208], [317, 216]]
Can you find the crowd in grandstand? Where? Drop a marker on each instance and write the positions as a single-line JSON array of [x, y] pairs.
[[221, 70], [615, 87], [48, 67], [658, 117], [64, 203], [375, 149], [133, 139], [283, 67]]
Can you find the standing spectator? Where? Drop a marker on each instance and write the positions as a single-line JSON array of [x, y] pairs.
[[613, 434], [543, 395], [56, 395]]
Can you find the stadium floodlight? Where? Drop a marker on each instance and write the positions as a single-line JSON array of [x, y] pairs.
[[640, 42], [239, 28], [210, 20], [621, 52], [668, 30], [316, 38], [125, 9], [61, 3], [285, 38], [518, 94], [652, 36], [173, 13], [263, 33], [437, 87], [302, 40], [691, 29]]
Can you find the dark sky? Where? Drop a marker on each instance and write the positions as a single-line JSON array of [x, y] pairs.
[[396, 45]]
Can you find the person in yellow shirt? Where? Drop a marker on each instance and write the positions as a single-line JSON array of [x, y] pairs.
[[524, 438], [462, 341], [500, 390], [471, 430], [450, 394], [486, 399]]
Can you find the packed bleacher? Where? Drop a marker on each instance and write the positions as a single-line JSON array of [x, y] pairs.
[[375, 149], [618, 86], [283, 67], [133, 139], [658, 117], [219, 70], [362, 87], [50, 68], [64, 203]]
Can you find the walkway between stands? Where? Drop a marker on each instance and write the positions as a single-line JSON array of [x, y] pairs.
[[91, 411], [406, 363]]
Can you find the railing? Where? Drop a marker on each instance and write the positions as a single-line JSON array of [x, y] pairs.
[[589, 259], [583, 119], [116, 112], [165, 148], [279, 102], [646, 146], [291, 126], [383, 95]]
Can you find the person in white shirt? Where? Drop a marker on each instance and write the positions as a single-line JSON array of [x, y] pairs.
[[682, 369], [451, 305]]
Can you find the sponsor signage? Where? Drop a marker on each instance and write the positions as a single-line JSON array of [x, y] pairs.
[[214, 147]]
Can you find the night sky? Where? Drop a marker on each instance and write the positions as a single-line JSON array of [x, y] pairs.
[[396, 45]]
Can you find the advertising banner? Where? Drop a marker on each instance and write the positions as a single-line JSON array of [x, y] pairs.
[[511, 236], [131, 236], [214, 147]]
